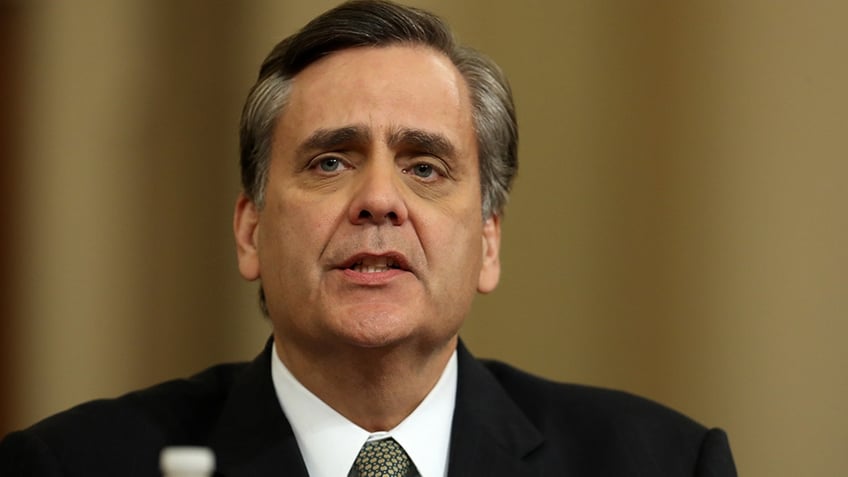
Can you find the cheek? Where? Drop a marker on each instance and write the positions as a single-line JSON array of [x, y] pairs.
[[294, 235], [455, 245]]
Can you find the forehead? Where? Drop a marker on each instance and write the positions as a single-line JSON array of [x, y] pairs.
[[383, 88]]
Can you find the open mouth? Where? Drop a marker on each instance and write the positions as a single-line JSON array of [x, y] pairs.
[[373, 264]]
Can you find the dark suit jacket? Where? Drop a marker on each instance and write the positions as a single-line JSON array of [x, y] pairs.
[[506, 423]]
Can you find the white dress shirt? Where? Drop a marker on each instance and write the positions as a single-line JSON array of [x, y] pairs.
[[329, 442]]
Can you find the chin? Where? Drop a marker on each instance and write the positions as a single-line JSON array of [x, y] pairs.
[[377, 327]]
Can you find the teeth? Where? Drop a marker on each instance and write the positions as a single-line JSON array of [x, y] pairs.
[[374, 265], [364, 269]]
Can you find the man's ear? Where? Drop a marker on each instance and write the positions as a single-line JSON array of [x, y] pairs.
[[246, 228], [490, 271]]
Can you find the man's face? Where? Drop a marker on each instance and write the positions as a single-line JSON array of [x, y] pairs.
[[371, 234]]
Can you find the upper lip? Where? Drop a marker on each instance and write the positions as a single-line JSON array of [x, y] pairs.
[[394, 260]]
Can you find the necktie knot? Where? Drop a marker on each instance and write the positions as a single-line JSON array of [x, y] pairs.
[[383, 458]]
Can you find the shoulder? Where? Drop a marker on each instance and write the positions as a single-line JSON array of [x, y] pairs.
[[180, 411], [545, 401], [614, 430]]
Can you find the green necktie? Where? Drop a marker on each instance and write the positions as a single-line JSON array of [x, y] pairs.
[[383, 458]]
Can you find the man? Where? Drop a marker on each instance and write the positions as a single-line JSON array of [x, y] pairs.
[[376, 160]]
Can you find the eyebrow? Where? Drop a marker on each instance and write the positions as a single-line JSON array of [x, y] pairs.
[[327, 139], [423, 141], [405, 138]]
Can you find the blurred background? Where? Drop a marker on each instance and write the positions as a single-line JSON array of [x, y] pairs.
[[677, 230]]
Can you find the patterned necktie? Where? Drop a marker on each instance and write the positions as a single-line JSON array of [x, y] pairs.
[[383, 458]]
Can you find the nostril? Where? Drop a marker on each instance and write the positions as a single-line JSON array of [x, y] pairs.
[[390, 216]]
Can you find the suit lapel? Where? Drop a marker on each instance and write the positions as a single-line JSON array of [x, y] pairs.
[[253, 436], [490, 436]]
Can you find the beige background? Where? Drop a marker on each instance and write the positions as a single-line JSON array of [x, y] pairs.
[[678, 228]]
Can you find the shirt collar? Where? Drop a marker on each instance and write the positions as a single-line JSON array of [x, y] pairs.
[[329, 442]]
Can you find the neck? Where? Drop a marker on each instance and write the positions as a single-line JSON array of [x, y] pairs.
[[375, 388]]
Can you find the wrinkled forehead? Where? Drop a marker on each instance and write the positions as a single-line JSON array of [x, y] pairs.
[[383, 88]]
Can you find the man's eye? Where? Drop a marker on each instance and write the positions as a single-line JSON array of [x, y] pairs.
[[422, 170], [330, 164]]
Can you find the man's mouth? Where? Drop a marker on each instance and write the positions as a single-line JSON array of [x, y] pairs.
[[374, 265], [367, 263]]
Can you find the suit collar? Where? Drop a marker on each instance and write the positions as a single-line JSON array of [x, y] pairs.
[[252, 435], [491, 435]]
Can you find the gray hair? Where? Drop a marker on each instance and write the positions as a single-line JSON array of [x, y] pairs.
[[378, 23]]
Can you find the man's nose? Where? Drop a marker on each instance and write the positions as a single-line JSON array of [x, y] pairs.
[[378, 198]]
